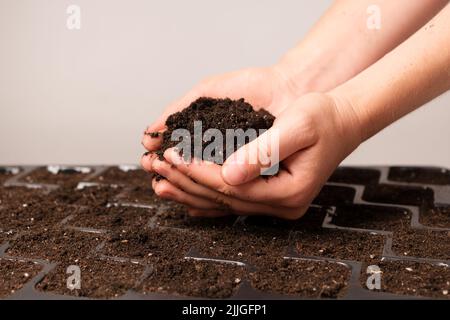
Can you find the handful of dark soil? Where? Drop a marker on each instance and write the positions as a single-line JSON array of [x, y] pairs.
[[221, 114]]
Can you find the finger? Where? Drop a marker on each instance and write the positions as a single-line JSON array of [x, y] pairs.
[[289, 134], [272, 190], [152, 139], [147, 160], [221, 200], [193, 212], [167, 190], [183, 182]]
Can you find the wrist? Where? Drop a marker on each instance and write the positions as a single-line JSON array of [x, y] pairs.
[[349, 120], [309, 69], [302, 75]]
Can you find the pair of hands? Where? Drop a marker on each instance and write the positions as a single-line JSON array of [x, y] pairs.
[[316, 132]]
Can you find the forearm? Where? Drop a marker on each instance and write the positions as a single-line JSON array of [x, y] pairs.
[[340, 45], [408, 77]]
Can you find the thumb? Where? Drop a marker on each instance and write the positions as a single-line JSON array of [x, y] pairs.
[[291, 132]]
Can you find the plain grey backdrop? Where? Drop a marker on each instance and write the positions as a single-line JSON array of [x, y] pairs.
[[85, 96]]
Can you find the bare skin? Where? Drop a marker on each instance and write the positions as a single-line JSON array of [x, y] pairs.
[[321, 118]]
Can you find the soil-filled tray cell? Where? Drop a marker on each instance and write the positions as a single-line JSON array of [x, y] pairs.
[[406, 195], [7, 173], [140, 195], [149, 244], [301, 278], [97, 278], [54, 245], [33, 215], [193, 278], [59, 176], [436, 217], [175, 216], [20, 195], [312, 219], [125, 175], [422, 244], [338, 244], [15, 274], [334, 196], [372, 217], [411, 278], [112, 217], [87, 196], [355, 176], [249, 244], [268, 222], [6, 235], [420, 175]]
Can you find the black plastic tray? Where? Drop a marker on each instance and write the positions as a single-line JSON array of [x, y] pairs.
[[345, 176]]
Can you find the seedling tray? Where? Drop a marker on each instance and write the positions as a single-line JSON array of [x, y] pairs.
[[128, 244]]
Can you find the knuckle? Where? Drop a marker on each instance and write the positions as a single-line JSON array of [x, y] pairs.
[[218, 199], [193, 213], [308, 127], [226, 190], [296, 214], [295, 201], [190, 174], [162, 188]]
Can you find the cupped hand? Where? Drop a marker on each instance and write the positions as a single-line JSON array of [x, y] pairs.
[[269, 88], [316, 132]]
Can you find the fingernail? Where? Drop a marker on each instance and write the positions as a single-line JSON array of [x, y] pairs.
[[234, 173], [153, 134]]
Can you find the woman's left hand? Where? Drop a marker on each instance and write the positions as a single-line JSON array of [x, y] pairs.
[[315, 133]]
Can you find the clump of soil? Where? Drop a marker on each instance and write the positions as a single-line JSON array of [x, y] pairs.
[[15, 274], [112, 217], [54, 245], [422, 244], [304, 278], [99, 278], [188, 277], [412, 278], [67, 177], [221, 114], [339, 244]]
